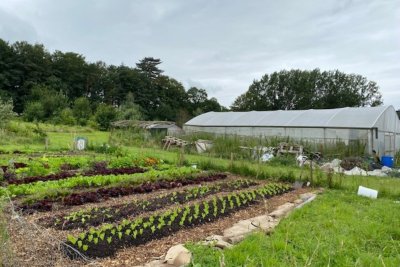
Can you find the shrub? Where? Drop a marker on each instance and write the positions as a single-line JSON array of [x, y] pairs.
[[6, 112], [34, 111], [66, 117], [105, 114], [82, 110]]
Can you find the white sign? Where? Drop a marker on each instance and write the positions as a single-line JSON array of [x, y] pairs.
[[80, 143]]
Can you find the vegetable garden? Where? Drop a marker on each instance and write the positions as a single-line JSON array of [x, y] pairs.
[[99, 205]]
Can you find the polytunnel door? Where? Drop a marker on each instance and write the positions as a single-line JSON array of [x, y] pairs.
[[389, 144]]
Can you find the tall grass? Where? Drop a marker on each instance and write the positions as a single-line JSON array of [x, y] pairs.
[[337, 229]]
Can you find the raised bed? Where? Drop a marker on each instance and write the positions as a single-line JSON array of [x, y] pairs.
[[97, 216], [105, 241], [102, 194], [69, 174]]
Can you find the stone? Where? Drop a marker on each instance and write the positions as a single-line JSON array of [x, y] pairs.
[[156, 263], [236, 239], [356, 171], [217, 241], [336, 163], [282, 210], [239, 229], [264, 222], [298, 201], [327, 167], [178, 256]]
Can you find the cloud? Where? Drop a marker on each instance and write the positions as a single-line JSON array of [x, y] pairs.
[[14, 29], [222, 45]]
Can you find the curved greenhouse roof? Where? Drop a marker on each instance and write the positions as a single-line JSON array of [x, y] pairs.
[[364, 117]]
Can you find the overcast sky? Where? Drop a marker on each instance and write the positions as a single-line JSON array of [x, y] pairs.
[[221, 46]]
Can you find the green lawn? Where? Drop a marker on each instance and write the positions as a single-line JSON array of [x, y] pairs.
[[337, 229]]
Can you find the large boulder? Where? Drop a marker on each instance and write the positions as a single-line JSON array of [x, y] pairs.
[[178, 256]]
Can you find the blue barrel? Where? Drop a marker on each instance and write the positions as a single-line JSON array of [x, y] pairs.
[[388, 161]]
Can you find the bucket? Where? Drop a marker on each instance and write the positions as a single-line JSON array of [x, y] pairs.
[[387, 161]]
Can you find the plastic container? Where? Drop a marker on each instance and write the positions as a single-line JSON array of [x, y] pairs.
[[367, 192], [388, 161]]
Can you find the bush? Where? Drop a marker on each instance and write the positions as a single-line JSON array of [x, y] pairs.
[[6, 112], [82, 110], [34, 111], [66, 117], [105, 114]]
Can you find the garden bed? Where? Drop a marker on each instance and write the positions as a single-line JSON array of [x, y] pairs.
[[72, 173], [106, 240], [102, 194], [99, 215]]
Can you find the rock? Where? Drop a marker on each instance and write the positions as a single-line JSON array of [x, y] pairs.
[[356, 171], [327, 167], [386, 169], [178, 256], [156, 263], [377, 172], [282, 210], [217, 241], [298, 201], [264, 222], [239, 229], [236, 239], [336, 163]]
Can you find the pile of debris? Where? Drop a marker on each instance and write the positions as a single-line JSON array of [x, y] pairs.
[[356, 166]]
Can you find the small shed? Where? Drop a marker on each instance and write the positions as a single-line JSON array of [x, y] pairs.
[[153, 127]]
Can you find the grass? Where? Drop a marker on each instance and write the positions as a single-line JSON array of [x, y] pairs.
[[337, 229], [32, 137], [387, 186]]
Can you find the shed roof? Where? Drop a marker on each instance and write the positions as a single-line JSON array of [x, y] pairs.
[[364, 117]]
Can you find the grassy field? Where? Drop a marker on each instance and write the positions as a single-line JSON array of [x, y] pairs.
[[337, 229], [32, 137]]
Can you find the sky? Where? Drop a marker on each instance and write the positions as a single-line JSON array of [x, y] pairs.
[[220, 45]]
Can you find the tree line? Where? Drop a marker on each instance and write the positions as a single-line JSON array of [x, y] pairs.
[[62, 87], [303, 89]]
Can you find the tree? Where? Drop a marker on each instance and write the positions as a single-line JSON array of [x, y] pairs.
[[82, 110], [199, 102], [148, 66], [51, 102], [34, 111], [105, 114], [129, 110], [297, 89], [6, 112]]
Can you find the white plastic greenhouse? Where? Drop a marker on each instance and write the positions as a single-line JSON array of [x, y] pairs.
[[377, 127]]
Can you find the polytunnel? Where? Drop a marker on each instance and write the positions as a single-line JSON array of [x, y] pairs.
[[377, 127]]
